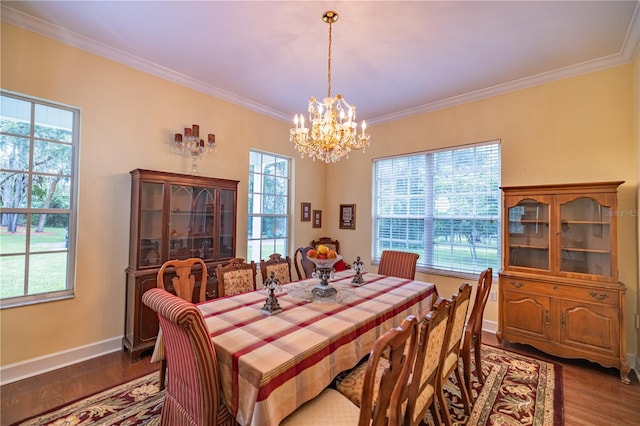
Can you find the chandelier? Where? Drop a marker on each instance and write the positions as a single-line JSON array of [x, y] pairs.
[[192, 146], [334, 131]]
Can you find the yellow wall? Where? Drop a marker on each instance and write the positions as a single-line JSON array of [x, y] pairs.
[[128, 118], [636, 138], [574, 130]]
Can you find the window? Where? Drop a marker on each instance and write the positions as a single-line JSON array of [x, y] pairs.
[[38, 158], [268, 224], [443, 205]]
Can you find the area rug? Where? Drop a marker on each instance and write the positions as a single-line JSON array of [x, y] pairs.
[[518, 390]]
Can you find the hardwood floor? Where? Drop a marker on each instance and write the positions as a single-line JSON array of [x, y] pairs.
[[592, 395]]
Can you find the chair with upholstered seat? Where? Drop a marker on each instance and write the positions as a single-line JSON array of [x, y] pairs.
[[236, 277], [449, 359], [399, 264], [304, 267], [326, 241], [183, 283], [472, 339], [193, 388], [382, 386], [424, 377], [280, 266]]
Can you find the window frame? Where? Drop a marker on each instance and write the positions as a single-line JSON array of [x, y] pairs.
[[258, 216], [29, 211], [421, 219]]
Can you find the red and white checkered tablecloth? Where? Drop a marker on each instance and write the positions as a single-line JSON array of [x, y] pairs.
[[270, 365]]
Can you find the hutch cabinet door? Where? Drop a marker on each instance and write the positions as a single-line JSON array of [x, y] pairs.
[[586, 237], [524, 314], [589, 327], [528, 228]]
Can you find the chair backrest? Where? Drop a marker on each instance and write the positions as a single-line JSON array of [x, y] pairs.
[[456, 325], [281, 267], [326, 241], [193, 391], [399, 264], [431, 339], [184, 281], [236, 277], [400, 344], [304, 267], [474, 322]]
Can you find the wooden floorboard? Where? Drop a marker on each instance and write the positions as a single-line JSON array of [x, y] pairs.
[[593, 395]]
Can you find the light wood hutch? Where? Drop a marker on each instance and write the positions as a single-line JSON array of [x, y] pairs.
[[174, 216], [559, 289]]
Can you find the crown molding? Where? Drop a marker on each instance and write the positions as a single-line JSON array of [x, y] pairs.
[[630, 48]]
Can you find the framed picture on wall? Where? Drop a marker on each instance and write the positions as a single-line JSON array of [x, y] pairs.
[[347, 216], [317, 219], [305, 212]]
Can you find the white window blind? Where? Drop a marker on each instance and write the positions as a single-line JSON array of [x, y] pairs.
[[443, 205]]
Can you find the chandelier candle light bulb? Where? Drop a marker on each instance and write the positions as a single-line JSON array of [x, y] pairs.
[[334, 132]]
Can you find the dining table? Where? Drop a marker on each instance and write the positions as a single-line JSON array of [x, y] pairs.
[[271, 364]]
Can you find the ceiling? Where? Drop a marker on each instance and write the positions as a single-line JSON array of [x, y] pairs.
[[391, 59]]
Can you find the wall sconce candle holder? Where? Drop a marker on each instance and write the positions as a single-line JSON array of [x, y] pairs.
[[191, 145]]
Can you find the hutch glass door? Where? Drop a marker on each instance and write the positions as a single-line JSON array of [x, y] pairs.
[[191, 221], [529, 235]]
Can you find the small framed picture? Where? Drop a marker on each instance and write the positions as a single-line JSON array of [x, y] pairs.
[[305, 212], [317, 219], [347, 216]]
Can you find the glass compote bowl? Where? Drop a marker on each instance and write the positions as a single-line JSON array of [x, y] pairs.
[[324, 268]]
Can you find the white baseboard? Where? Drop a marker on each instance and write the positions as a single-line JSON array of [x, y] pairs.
[[32, 367]]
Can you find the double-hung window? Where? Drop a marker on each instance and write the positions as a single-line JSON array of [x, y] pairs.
[[443, 205], [38, 187], [268, 221]]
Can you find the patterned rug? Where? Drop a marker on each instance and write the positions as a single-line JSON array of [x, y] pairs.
[[518, 390]]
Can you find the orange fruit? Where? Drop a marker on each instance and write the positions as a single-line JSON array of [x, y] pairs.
[[312, 253], [332, 254]]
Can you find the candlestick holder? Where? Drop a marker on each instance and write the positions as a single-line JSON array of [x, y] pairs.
[[191, 145], [358, 266], [271, 305]]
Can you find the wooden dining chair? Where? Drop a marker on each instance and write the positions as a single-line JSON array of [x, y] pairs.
[[280, 266], [399, 264], [424, 376], [326, 241], [304, 267], [193, 389], [382, 382], [449, 359], [183, 284], [472, 339], [236, 277]]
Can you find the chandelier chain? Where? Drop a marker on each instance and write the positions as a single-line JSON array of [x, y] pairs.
[[329, 64]]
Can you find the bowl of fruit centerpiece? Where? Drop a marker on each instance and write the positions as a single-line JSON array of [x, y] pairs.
[[324, 258]]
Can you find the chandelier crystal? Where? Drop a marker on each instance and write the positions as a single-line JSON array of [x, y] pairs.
[[334, 131]]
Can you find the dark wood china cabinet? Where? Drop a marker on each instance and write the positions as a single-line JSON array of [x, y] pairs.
[[173, 216], [559, 289]]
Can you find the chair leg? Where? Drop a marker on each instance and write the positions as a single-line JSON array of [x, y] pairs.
[[465, 354], [444, 407], [163, 373], [435, 413], [463, 391], [478, 358]]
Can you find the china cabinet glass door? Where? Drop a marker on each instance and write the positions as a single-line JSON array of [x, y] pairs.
[[191, 220], [585, 237], [528, 242], [151, 224], [227, 223]]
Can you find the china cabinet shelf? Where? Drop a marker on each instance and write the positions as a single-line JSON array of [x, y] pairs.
[[559, 291], [174, 216]]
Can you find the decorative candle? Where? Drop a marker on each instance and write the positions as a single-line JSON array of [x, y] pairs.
[[196, 130], [187, 131], [178, 137], [211, 138], [201, 143]]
